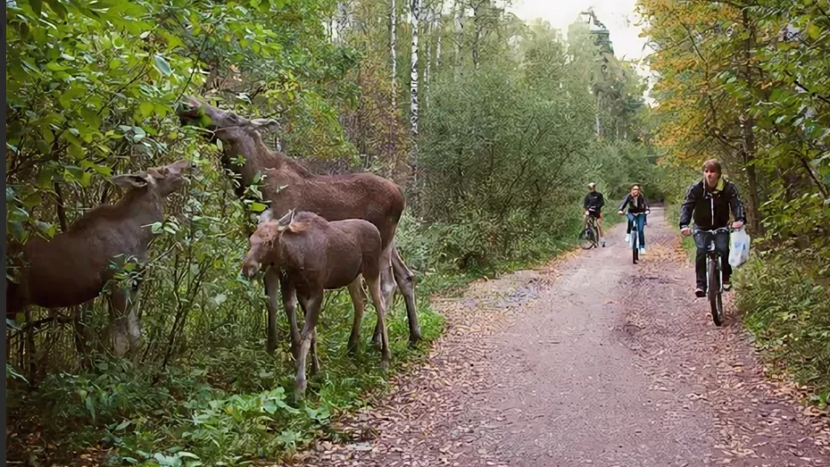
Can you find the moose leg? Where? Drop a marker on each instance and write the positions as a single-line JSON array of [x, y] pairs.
[[271, 282], [30, 345], [315, 362], [405, 279], [380, 307], [125, 329], [387, 284], [78, 313], [356, 292], [312, 308], [289, 300]]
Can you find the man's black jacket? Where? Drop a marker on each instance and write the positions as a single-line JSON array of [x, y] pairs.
[[711, 208], [593, 199]]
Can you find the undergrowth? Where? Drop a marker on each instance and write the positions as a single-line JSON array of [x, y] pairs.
[[787, 307], [673, 217], [225, 401], [223, 407]]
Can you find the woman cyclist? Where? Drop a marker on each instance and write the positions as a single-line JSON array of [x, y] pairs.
[[636, 203]]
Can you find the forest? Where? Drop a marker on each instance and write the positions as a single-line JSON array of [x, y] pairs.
[[492, 126]]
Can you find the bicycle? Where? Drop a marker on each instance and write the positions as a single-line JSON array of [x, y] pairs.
[[705, 239], [635, 238], [589, 237]]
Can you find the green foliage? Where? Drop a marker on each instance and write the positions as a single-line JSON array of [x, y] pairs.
[[507, 156], [230, 405], [788, 310]]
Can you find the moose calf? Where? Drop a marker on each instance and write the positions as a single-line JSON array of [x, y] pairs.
[[311, 255], [75, 266]]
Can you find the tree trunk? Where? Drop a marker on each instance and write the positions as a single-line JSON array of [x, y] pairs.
[[393, 19], [459, 31], [342, 21], [477, 37], [753, 216], [748, 135], [361, 127], [438, 44], [428, 69], [438, 48], [415, 7]]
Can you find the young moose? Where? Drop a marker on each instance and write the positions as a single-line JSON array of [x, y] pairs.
[[75, 266], [312, 254]]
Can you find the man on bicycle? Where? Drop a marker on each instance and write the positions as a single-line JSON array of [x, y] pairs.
[[710, 200], [593, 203], [636, 203]]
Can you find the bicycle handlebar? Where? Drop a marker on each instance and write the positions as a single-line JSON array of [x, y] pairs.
[[728, 228]]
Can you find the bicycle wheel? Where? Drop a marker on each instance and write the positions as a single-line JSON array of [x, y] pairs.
[[635, 253], [586, 241], [714, 292]]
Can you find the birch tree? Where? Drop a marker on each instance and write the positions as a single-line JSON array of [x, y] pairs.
[[415, 13], [428, 41], [459, 31], [393, 21]]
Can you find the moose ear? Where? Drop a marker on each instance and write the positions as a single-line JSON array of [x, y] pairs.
[[266, 216], [131, 180], [265, 124], [285, 221]]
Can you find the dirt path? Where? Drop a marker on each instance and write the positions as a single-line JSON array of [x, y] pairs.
[[589, 361]]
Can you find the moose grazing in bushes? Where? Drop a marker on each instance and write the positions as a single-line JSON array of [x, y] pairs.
[[75, 266], [288, 185]]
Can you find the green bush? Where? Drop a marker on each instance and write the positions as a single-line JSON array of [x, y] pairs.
[[787, 308]]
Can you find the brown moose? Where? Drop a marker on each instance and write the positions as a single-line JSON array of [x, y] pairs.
[[288, 185], [75, 266], [310, 254]]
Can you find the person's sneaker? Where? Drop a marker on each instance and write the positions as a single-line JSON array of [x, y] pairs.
[[700, 292], [603, 243], [642, 251], [627, 238], [727, 284]]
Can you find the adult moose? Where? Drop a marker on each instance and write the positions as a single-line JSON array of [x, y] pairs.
[[75, 266], [288, 185]]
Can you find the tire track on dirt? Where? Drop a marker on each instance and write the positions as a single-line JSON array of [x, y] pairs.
[[589, 361]]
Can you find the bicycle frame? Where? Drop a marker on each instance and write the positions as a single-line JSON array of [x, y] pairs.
[[708, 243], [592, 225], [706, 240]]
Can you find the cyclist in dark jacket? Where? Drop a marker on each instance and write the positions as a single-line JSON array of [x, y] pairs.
[[593, 203], [636, 203], [708, 203]]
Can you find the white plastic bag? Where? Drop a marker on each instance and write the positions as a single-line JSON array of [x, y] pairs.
[[738, 247]]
